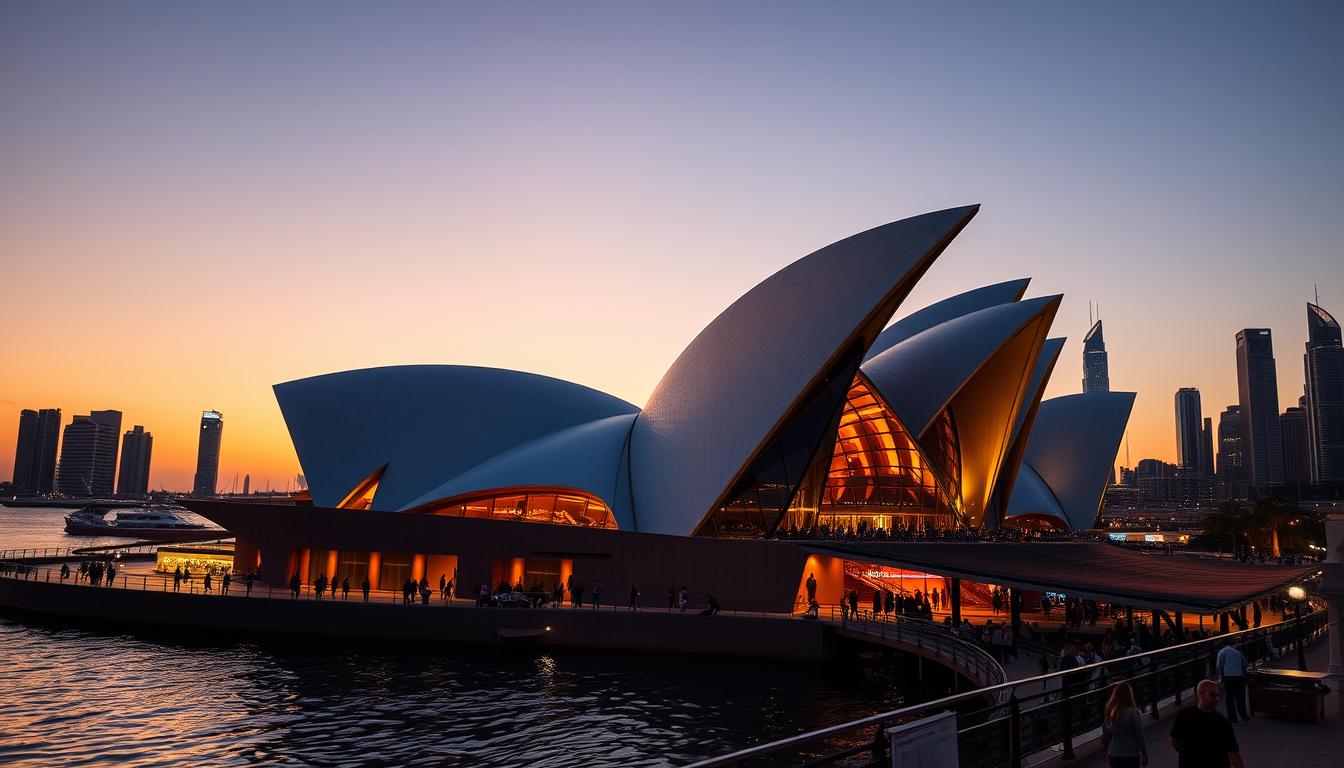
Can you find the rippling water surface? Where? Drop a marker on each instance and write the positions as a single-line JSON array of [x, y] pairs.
[[73, 694]]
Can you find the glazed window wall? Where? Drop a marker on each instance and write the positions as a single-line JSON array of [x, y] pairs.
[[879, 477], [394, 570], [541, 506], [769, 487], [353, 566]]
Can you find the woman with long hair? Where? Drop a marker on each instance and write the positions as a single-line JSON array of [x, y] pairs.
[[1122, 730]]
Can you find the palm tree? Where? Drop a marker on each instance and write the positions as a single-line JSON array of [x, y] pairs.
[[1230, 522], [1272, 514]]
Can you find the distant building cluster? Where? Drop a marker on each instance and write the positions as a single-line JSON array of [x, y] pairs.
[[87, 466], [1257, 449]]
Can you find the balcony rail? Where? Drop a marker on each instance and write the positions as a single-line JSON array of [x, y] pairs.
[[1000, 725]]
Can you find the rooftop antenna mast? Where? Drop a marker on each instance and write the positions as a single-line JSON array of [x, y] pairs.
[[1089, 314], [1316, 292]]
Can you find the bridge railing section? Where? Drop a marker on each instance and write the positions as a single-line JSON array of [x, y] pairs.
[[974, 660], [999, 726]]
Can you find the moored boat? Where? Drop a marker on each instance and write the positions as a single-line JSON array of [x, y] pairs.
[[152, 523]]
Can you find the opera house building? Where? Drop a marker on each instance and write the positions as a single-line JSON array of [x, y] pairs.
[[797, 418]]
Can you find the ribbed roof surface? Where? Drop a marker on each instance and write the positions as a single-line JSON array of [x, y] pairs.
[[736, 382]]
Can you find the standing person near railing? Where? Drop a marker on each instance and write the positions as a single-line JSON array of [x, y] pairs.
[[1202, 736], [1232, 671], [1122, 730]]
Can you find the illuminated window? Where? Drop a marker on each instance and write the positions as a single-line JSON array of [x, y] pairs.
[[557, 506], [879, 476]]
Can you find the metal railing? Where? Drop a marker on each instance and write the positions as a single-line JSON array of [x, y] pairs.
[[968, 657], [1000, 725]]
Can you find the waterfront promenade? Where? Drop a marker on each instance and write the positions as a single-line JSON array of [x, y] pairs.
[[1266, 742]]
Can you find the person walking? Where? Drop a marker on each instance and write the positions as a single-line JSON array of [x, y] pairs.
[[634, 598], [364, 587], [683, 599], [295, 585], [671, 598], [1232, 671], [1122, 730], [247, 582], [177, 578], [877, 604], [345, 588], [1201, 735], [65, 571], [111, 573], [224, 586], [597, 594], [811, 589], [443, 586], [207, 581]]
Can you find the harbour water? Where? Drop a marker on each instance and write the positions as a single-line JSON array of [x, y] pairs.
[[75, 694]]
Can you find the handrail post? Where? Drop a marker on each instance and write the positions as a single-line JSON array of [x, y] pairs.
[[1066, 715]]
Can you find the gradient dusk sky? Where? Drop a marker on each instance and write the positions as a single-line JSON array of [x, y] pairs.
[[199, 200]]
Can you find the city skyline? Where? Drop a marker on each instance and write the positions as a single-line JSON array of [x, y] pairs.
[[243, 209]]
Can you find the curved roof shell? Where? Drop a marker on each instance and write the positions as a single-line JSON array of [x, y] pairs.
[[589, 456], [426, 423], [1072, 448], [740, 380], [921, 375], [947, 309], [979, 367], [1026, 417]]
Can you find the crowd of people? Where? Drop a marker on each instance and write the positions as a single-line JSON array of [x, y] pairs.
[[865, 532]]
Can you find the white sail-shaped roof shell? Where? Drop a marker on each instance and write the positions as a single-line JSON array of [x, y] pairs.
[[1072, 449], [589, 457], [918, 377], [426, 423], [947, 309], [739, 379]]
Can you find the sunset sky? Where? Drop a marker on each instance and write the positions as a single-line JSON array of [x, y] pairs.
[[199, 202]]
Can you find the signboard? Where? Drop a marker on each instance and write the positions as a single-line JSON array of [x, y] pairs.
[[929, 742]]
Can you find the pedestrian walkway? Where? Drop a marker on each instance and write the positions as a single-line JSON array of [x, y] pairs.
[[1265, 742]]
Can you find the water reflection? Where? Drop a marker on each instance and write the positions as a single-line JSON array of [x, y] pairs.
[[76, 696]]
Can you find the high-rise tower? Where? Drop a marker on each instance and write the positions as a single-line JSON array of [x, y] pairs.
[[35, 454], [89, 454], [1206, 448], [1230, 468], [1189, 433], [1258, 387], [1096, 369], [136, 447], [1324, 363], [1296, 446], [207, 454]]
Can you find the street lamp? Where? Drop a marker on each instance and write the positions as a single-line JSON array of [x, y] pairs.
[[1297, 595]]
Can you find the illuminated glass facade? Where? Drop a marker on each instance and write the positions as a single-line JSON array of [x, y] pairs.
[[530, 505], [880, 477]]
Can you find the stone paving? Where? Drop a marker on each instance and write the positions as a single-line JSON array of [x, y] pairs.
[[1265, 741]]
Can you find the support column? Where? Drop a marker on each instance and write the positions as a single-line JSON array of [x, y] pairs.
[[1157, 628], [956, 601], [1179, 630], [1015, 612], [1222, 622]]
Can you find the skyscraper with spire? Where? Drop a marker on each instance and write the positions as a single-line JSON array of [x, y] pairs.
[[1096, 369], [1324, 363]]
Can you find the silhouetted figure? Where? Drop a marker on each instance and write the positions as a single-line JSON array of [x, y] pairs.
[[248, 580], [811, 589], [224, 585], [683, 599], [295, 584], [111, 574], [345, 588], [634, 598], [65, 571], [207, 581], [364, 587]]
